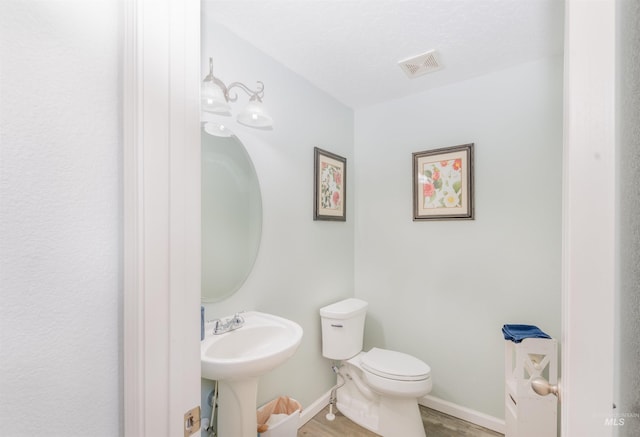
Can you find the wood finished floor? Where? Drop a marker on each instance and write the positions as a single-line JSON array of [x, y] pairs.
[[436, 424]]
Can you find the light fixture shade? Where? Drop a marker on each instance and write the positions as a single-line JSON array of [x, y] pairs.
[[254, 115], [212, 98], [217, 130]]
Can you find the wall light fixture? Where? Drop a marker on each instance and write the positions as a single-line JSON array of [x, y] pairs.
[[215, 97]]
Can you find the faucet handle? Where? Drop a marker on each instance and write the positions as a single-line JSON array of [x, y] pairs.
[[237, 318], [216, 325]]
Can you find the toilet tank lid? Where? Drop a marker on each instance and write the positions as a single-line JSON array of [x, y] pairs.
[[344, 309]]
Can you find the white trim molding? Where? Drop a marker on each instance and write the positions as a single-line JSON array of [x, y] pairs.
[[161, 172], [446, 407], [464, 413], [133, 340], [309, 412], [589, 219]]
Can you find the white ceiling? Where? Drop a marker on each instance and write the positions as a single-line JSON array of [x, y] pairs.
[[351, 48]]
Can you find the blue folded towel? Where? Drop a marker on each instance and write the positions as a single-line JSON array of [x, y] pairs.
[[517, 333]]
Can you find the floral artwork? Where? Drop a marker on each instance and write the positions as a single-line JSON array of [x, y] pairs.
[[331, 186], [330, 176], [443, 183]]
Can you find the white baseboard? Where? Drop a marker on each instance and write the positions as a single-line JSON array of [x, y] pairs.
[[464, 413], [446, 407], [309, 412]]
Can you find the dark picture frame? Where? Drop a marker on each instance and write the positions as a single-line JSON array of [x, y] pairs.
[[443, 183], [329, 186]]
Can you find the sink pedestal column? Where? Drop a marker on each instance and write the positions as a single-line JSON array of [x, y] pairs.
[[237, 407]]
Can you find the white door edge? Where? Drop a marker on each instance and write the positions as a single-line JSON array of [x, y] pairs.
[[161, 172], [589, 212]]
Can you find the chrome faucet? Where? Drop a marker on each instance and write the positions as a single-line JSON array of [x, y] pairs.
[[226, 325]]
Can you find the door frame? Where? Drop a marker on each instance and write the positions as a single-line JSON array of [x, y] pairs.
[[589, 219], [161, 230], [161, 171]]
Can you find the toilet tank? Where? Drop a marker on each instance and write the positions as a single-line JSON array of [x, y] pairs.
[[343, 328]]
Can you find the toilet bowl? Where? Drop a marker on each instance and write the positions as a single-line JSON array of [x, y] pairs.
[[381, 387], [395, 373]]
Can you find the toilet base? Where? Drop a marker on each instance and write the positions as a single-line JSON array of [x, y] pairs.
[[386, 415], [389, 418], [362, 415], [400, 417]]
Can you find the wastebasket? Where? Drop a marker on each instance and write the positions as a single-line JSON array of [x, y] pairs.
[[279, 418]]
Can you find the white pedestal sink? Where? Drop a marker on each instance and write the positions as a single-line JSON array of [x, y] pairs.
[[237, 358]]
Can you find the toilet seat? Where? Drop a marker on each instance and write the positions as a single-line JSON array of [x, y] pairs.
[[395, 365]]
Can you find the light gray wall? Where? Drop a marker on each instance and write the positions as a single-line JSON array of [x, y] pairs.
[[60, 215], [628, 355], [442, 290], [302, 264]]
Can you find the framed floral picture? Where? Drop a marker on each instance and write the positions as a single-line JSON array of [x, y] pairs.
[[443, 183], [330, 186]]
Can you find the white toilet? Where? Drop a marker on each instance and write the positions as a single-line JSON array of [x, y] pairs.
[[381, 387]]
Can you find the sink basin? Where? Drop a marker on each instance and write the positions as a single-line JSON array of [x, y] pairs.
[[237, 358], [261, 344]]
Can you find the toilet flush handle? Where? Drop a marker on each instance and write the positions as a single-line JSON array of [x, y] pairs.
[[336, 325]]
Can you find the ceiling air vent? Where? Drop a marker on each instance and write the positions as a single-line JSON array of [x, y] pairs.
[[421, 64]]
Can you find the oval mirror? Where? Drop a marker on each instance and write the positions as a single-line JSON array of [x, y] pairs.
[[231, 216]]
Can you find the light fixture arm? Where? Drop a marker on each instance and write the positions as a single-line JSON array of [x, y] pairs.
[[258, 94], [216, 96]]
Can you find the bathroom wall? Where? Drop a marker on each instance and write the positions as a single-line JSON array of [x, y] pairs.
[[302, 264], [441, 290], [438, 290], [60, 215], [628, 306]]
